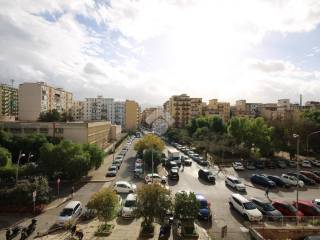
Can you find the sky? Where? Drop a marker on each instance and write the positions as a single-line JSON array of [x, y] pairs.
[[149, 50]]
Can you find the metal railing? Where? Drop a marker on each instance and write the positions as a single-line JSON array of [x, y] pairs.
[[310, 221]]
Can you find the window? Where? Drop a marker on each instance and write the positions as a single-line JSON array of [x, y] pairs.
[[59, 130], [44, 130]]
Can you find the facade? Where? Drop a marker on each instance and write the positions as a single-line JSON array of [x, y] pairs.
[[132, 115], [312, 105], [8, 102], [120, 113], [99, 108], [115, 132], [98, 133], [195, 107], [77, 111], [221, 109], [179, 108], [146, 113], [35, 98], [244, 109]]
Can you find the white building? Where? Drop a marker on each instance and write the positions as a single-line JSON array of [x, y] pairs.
[[120, 113]]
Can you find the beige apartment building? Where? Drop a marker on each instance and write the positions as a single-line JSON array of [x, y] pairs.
[[244, 109], [38, 97], [8, 102], [214, 107], [146, 113], [77, 110], [179, 107], [98, 133], [132, 115]]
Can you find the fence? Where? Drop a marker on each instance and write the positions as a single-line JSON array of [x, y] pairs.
[[313, 221]]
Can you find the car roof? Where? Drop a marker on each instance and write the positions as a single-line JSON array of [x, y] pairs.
[[233, 178], [72, 204], [174, 170], [131, 196], [205, 169], [200, 197], [260, 200], [154, 174], [123, 182], [240, 197], [306, 202]]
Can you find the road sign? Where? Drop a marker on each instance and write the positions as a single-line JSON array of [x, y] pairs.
[[224, 230], [34, 194]]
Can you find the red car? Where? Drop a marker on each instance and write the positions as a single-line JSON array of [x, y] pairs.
[[287, 209], [307, 208], [311, 175]]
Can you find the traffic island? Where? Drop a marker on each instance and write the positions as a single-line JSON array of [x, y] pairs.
[[104, 230]]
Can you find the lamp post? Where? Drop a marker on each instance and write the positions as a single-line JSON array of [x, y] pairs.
[[298, 144], [310, 134], [152, 162], [17, 170], [30, 156]]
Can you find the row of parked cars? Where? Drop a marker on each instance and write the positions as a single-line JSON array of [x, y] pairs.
[[287, 180], [190, 152], [255, 209], [272, 164], [117, 162]]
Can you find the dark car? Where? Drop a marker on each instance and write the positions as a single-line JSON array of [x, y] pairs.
[[317, 173], [187, 162], [259, 164], [203, 162], [173, 174], [204, 210], [311, 175], [278, 181], [287, 209], [112, 171], [270, 164], [306, 180], [206, 175], [307, 208], [262, 181], [267, 209]]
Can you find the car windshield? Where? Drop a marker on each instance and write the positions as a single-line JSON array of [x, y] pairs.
[[291, 208], [249, 206], [268, 207], [236, 181], [112, 168], [66, 212], [203, 204], [130, 203]]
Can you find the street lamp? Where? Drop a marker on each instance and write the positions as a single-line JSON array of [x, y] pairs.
[[30, 156], [17, 170], [308, 139], [297, 159]]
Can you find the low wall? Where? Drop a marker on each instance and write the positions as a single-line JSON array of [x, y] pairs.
[[297, 233]]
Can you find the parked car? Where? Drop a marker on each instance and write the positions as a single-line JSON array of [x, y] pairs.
[[306, 164], [307, 208], [266, 208], [315, 163], [270, 164], [250, 166], [187, 162], [286, 209], [138, 171], [311, 175], [281, 164], [245, 207], [259, 164], [124, 187], [173, 174], [238, 166], [117, 163], [155, 178], [206, 175], [112, 171], [69, 213], [262, 181], [306, 180], [204, 210], [235, 183], [292, 164], [129, 206], [316, 202], [317, 173], [171, 164], [203, 162], [312, 237], [293, 181], [278, 180]]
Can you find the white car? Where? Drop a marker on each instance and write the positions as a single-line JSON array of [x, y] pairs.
[[292, 180], [69, 213], [129, 206], [235, 183], [155, 178], [316, 202], [306, 164], [245, 207], [315, 163], [124, 187], [238, 166]]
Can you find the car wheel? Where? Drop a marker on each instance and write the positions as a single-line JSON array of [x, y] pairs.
[[231, 205], [246, 217], [131, 191]]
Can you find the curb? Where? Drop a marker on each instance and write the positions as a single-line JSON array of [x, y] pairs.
[[98, 180], [64, 200]]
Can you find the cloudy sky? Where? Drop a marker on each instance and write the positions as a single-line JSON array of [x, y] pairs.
[[148, 50]]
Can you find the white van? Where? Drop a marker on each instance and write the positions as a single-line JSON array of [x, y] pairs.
[[129, 206], [69, 213], [245, 207]]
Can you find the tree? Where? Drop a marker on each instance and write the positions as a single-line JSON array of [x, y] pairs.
[[209, 123], [96, 155], [5, 157], [150, 154], [50, 116], [186, 205], [153, 201], [149, 141], [105, 203], [313, 115]]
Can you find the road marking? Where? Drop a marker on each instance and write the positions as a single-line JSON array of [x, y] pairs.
[[244, 229]]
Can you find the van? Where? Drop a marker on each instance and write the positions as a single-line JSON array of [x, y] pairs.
[[69, 213]]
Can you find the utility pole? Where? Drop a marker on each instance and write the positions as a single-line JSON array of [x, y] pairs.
[[298, 170]]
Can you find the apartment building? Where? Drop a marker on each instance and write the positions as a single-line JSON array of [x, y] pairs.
[[214, 107], [98, 133], [132, 115], [195, 107], [38, 97], [8, 102], [312, 105], [179, 108], [243, 108], [77, 110], [120, 113], [146, 113], [99, 108]]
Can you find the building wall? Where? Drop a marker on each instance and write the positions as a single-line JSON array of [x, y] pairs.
[[77, 110], [115, 132], [132, 113], [180, 109], [8, 102], [120, 113]]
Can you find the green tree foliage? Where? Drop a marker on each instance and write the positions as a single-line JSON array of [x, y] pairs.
[[186, 205], [50, 116], [206, 124], [252, 131], [312, 115], [147, 157], [149, 141], [153, 202], [96, 155], [5, 157], [179, 135], [66, 158], [106, 203]]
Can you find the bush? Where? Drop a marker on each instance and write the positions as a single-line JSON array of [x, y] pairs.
[[5, 157]]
